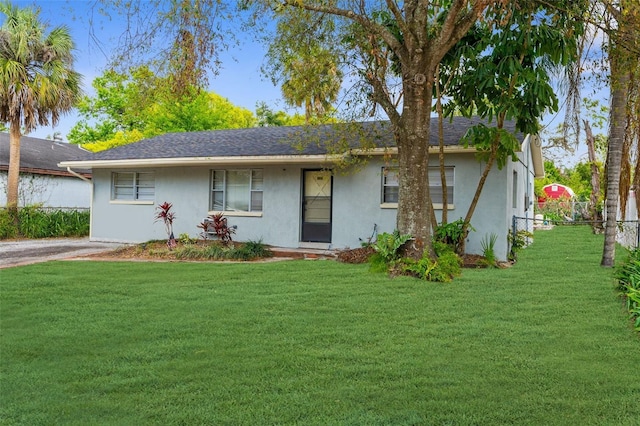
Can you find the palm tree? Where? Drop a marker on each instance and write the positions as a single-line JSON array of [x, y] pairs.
[[624, 46], [37, 81]]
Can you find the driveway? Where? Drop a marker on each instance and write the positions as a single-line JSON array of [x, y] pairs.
[[25, 252]]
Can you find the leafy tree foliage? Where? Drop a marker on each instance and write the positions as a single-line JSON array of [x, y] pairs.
[[304, 59], [267, 117], [130, 107], [37, 80]]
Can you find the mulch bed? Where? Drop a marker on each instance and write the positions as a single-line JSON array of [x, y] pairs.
[[358, 255], [157, 250]]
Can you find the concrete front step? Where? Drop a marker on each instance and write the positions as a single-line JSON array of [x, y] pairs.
[[303, 253]]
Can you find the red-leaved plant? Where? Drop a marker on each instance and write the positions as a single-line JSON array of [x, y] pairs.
[[217, 224], [164, 214]]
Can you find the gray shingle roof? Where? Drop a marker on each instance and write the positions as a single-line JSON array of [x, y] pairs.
[[41, 156], [270, 141]]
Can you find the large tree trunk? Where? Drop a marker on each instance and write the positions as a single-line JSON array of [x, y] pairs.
[[619, 85], [415, 209], [14, 168]]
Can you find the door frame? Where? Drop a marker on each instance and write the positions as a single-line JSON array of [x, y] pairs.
[[311, 232]]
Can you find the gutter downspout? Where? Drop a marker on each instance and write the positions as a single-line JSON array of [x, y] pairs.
[[79, 176]]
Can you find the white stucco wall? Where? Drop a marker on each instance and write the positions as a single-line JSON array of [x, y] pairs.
[[356, 205], [48, 191]]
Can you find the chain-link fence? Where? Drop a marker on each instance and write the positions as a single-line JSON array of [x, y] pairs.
[[522, 228], [562, 210]]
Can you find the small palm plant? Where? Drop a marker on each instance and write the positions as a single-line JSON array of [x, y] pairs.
[[165, 215]]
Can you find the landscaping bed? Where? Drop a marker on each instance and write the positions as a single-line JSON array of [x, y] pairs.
[[193, 250]]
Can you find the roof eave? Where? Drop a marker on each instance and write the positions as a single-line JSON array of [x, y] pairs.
[[536, 156], [242, 160], [198, 161]]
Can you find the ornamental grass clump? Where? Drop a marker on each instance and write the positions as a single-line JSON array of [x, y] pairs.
[[488, 245], [250, 250]]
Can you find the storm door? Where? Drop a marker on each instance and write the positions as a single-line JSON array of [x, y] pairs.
[[316, 206]]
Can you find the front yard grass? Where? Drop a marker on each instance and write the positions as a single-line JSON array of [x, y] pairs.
[[318, 342]]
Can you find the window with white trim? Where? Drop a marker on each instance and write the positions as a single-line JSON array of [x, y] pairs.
[[236, 190], [390, 185], [133, 186]]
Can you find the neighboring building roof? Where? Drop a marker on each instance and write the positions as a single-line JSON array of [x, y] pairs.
[[41, 156], [275, 145]]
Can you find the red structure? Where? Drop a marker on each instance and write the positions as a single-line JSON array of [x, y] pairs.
[[557, 191]]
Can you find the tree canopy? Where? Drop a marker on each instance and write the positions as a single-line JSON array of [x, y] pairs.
[[139, 104], [304, 59]]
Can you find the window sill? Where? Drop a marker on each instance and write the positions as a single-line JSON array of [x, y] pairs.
[[237, 214], [440, 205], [133, 202], [435, 206], [389, 205]]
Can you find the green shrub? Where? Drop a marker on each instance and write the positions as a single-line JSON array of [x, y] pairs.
[[388, 245], [185, 239], [36, 222], [8, 228], [387, 251], [377, 263], [447, 266], [189, 252], [217, 251], [628, 276], [387, 259], [452, 233], [249, 251], [520, 241], [214, 252]]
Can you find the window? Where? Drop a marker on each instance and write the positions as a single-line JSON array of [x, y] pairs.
[[236, 190], [435, 185], [133, 186], [390, 185]]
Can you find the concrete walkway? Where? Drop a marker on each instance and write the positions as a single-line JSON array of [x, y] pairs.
[[25, 252]]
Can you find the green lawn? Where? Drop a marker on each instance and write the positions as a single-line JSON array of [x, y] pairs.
[[317, 342]]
